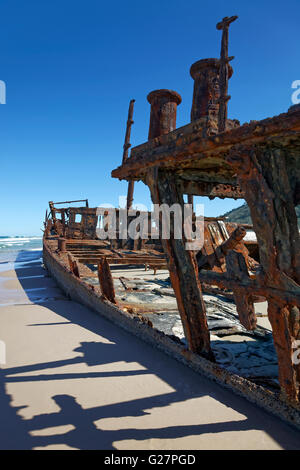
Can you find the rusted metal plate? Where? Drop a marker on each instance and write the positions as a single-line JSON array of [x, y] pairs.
[[106, 280]]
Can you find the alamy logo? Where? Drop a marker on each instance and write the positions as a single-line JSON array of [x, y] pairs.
[[2, 92], [2, 352], [296, 353], [162, 222], [296, 94]]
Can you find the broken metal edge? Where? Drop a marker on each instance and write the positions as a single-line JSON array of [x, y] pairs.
[[78, 290]]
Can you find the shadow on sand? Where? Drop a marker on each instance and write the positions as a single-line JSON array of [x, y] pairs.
[[18, 433]]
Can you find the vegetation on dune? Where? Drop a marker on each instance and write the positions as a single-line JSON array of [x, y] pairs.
[[241, 215]]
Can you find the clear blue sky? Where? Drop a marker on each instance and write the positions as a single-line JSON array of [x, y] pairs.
[[72, 66]]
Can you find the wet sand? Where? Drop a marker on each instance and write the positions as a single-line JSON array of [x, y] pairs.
[[72, 380]]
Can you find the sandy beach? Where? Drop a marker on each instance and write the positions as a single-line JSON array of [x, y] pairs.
[[72, 380]]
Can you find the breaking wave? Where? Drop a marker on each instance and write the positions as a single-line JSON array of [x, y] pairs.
[[18, 243]]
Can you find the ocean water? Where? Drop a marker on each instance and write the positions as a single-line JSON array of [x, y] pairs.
[[20, 243], [24, 256], [19, 249], [11, 246]]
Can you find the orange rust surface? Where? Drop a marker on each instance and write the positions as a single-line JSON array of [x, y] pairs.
[[185, 147]]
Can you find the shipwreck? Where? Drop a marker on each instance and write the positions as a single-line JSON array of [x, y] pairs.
[[210, 295]]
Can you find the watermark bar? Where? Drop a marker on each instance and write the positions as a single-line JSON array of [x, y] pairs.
[[296, 94], [2, 92], [142, 224]]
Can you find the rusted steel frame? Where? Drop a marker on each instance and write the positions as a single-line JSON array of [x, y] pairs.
[[262, 173], [64, 224], [126, 147], [221, 251], [70, 202], [182, 267], [224, 60], [133, 260], [186, 145], [130, 192], [57, 223], [48, 227], [72, 242], [285, 325], [88, 253], [86, 227], [85, 251], [253, 286], [211, 189], [105, 280], [127, 144], [106, 250], [82, 254], [53, 214], [115, 257], [47, 224], [237, 269]]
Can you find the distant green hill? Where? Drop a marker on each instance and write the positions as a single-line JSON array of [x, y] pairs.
[[241, 215]]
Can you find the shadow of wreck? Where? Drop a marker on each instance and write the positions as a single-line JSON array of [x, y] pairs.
[[82, 425]]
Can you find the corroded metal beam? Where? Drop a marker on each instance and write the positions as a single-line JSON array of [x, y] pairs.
[[224, 71], [106, 281], [126, 147], [222, 250], [185, 147], [237, 270], [185, 282], [263, 175], [253, 286], [211, 189]]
